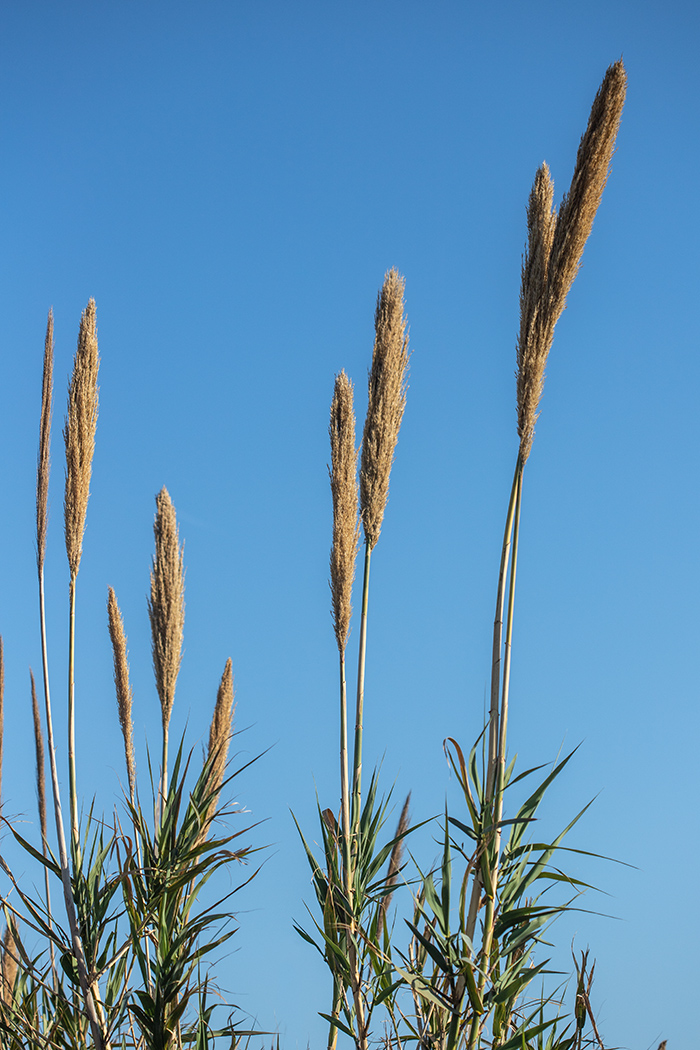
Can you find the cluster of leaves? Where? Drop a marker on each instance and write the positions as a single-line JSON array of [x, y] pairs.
[[436, 993], [148, 938]]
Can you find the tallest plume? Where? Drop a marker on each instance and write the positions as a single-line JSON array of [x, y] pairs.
[[79, 435], [556, 243], [386, 403]]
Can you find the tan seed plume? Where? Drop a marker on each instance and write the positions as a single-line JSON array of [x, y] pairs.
[[43, 459], [9, 964], [580, 204], [166, 605], [39, 750], [395, 859], [346, 527], [79, 435], [122, 686], [555, 246], [536, 319], [220, 733], [385, 408]]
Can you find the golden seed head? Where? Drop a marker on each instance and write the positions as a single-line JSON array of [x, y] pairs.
[[43, 458], [346, 527], [39, 750], [220, 733], [386, 403], [555, 246], [79, 435], [536, 328], [396, 857], [166, 605], [122, 686], [580, 204]]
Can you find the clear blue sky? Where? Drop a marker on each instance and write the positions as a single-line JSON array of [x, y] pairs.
[[230, 181]]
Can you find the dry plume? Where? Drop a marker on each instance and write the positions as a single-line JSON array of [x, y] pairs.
[[395, 859], [43, 459], [122, 686], [220, 734], [166, 605], [346, 528], [536, 325], [39, 749], [9, 964], [556, 243], [386, 403], [79, 435]]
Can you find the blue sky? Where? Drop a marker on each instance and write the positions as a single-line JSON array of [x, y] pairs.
[[230, 181]]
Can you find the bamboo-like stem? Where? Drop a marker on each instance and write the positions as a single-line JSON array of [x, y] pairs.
[[355, 976], [359, 708], [494, 711], [500, 776], [497, 809], [73, 788], [344, 780], [164, 770], [494, 734]]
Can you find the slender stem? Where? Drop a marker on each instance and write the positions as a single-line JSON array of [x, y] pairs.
[[357, 757], [344, 784], [78, 951], [494, 737], [498, 640], [355, 975], [164, 770], [500, 780], [337, 999], [489, 917], [49, 920], [75, 831]]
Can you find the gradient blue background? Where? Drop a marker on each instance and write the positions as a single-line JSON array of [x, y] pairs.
[[230, 181]]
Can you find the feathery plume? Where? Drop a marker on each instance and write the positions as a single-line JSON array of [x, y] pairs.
[[43, 458], [9, 964], [39, 748], [536, 325], [220, 736], [79, 435], [387, 400], [555, 246], [580, 204], [122, 686], [395, 860], [166, 605], [346, 527]]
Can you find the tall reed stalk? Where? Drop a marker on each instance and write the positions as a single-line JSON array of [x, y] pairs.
[[166, 609], [75, 507], [553, 256], [79, 437], [343, 478], [385, 407]]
